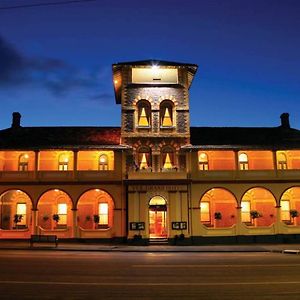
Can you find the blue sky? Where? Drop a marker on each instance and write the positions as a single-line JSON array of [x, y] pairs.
[[55, 61]]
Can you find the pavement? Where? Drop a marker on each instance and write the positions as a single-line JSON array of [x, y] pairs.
[[76, 246]]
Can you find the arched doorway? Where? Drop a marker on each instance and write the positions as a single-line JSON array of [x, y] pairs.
[[158, 217]]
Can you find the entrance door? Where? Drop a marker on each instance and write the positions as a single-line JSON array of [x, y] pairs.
[[157, 217]]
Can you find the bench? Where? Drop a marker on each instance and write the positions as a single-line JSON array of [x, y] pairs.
[[37, 238]]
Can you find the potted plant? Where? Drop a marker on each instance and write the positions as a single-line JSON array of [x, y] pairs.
[[96, 220], [17, 219], [56, 218], [294, 214], [217, 216], [87, 218], [45, 218], [255, 215]]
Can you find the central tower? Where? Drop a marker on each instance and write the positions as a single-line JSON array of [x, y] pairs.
[[154, 96]]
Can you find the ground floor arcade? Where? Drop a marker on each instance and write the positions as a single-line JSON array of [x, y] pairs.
[[150, 211]]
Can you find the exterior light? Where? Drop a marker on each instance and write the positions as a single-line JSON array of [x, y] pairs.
[[26, 156], [115, 81], [97, 190], [56, 190], [155, 68]]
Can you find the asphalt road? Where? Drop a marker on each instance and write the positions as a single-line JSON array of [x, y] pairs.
[[107, 275]]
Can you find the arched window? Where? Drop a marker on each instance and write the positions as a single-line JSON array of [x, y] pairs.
[[203, 161], [243, 161], [281, 161], [168, 158], [63, 162], [166, 114], [144, 113], [23, 162], [103, 162], [144, 158]]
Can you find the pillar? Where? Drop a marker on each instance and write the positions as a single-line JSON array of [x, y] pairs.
[[34, 229], [74, 223], [75, 163]]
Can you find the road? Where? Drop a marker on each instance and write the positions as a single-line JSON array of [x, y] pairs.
[[119, 275]]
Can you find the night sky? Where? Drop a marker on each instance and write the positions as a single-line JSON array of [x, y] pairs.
[[55, 61]]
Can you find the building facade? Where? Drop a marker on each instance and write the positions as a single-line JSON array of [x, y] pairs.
[[155, 178]]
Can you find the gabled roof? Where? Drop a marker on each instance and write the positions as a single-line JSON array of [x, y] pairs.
[[245, 137], [60, 137]]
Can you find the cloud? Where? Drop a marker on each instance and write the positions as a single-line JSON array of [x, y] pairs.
[[55, 75]]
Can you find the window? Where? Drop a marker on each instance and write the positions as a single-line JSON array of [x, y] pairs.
[[62, 212], [103, 162], [168, 158], [21, 211], [243, 161], [144, 113], [144, 158], [246, 211], [203, 161], [205, 212], [166, 114], [103, 213], [23, 162], [63, 162], [281, 161], [285, 210]]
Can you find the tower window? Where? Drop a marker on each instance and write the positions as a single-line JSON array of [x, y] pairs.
[[243, 161], [166, 114], [168, 159], [203, 161], [23, 162], [103, 162], [144, 113], [144, 158]]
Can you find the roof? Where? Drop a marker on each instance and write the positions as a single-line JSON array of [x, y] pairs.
[[245, 137], [60, 137], [149, 62]]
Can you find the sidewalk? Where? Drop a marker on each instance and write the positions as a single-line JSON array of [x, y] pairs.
[[24, 245]]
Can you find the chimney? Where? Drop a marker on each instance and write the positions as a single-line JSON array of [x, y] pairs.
[[285, 122], [16, 120]]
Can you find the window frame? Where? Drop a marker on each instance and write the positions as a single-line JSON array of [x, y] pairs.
[[103, 165], [243, 164], [162, 111], [23, 165]]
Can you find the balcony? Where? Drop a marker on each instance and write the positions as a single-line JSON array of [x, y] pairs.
[[240, 175], [164, 174], [17, 176]]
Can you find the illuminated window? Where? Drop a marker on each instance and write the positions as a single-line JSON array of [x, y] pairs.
[[203, 161], [103, 162], [285, 210], [62, 212], [243, 161], [23, 162], [281, 161], [63, 162], [144, 158], [21, 211], [166, 114], [144, 113], [168, 158], [246, 211], [103, 213], [205, 212]]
